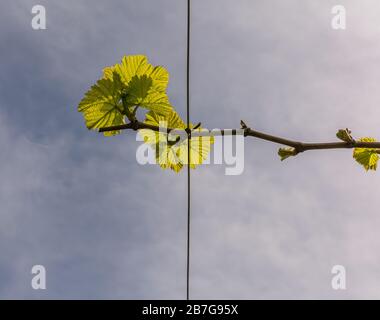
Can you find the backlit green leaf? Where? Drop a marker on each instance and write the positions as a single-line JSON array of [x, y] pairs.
[[365, 156], [101, 105], [132, 83], [138, 65], [140, 92], [145, 85], [172, 153]]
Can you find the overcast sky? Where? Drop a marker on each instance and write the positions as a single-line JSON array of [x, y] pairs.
[[106, 227]]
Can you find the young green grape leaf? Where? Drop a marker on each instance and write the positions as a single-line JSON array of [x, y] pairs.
[[133, 83], [285, 153], [101, 105], [145, 85], [171, 150], [138, 65], [367, 157], [344, 135], [141, 92]]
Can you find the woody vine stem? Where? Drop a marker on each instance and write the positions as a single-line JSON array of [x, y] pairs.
[[298, 146]]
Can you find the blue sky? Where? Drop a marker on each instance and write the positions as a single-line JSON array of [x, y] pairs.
[[105, 227]]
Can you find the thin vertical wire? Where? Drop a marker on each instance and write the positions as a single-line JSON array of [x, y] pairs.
[[188, 150]]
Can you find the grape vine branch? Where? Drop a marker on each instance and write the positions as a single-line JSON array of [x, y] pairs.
[[134, 84], [248, 132]]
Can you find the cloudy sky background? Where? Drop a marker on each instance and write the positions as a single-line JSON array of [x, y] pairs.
[[106, 227]]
